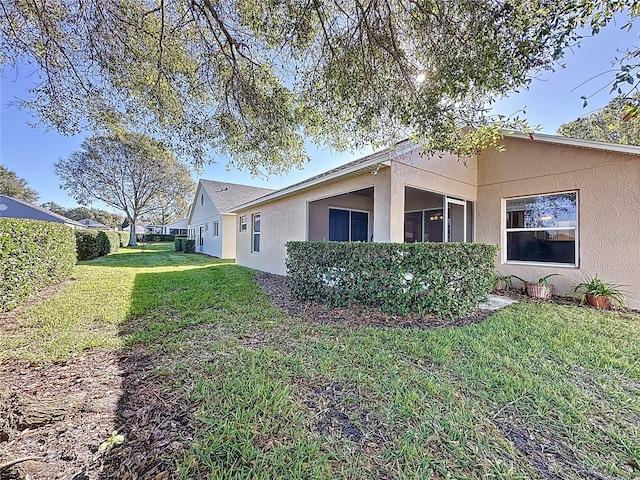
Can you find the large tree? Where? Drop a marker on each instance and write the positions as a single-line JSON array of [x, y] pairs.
[[131, 172], [253, 79], [607, 124], [16, 187]]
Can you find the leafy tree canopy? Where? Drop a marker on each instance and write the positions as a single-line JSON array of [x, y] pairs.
[[253, 79], [607, 124], [16, 187], [131, 172]]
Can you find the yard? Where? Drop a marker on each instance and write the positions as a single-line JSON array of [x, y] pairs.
[[205, 377]]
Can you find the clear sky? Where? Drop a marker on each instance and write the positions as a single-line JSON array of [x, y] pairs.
[[553, 99]]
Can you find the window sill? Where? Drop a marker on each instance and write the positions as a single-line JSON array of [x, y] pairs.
[[541, 264]]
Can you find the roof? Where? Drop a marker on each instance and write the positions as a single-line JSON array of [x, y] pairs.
[[369, 164], [576, 142], [227, 196], [89, 222], [43, 212]]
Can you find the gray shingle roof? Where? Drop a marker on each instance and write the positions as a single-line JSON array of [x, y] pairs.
[[27, 210], [226, 196]]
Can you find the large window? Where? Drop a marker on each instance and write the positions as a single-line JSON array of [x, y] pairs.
[[543, 229], [255, 230], [348, 225]]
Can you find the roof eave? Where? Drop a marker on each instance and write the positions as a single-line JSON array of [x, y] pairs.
[[576, 142]]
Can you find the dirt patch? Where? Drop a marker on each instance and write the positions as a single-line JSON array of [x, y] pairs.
[[58, 415], [355, 316]]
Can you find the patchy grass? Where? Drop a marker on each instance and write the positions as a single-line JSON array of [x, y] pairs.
[[537, 391]]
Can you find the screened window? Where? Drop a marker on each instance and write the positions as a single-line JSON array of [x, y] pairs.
[[216, 229], [543, 229], [348, 225], [255, 230], [243, 223]]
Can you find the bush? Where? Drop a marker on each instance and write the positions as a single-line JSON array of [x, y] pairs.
[[153, 237], [33, 255], [124, 238], [445, 279], [188, 245], [178, 243], [92, 244]]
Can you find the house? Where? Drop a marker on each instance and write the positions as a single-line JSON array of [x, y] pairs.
[[552, 204], [90, 223], [211, 222], [13, 208], [179, 227]]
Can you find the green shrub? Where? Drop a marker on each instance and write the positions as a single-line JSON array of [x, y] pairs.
[[87, 244], [178, 243], [154, 237], [188, 245], [108, 242], [445, 279], [33, 255], [125, 237]]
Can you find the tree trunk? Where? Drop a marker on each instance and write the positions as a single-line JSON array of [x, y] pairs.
[[132, 231]]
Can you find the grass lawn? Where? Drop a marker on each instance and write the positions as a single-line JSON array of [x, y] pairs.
[[537, 391]]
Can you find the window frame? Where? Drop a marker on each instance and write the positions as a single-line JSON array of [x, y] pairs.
[[575, 229], [243, 224], [216, 228], [254, 232], [350, 210]]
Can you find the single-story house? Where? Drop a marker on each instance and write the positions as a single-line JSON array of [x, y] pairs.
[[552, 204], [13, 208], [211, 222], [90, 223], [179, 227]]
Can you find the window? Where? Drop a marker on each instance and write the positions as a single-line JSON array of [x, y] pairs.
[[202, 199], [543, 229], [206, 227], [348, 225], [255, 230], [216, 229], [243, 223]]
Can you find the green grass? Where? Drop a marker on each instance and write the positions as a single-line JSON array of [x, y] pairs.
[[536, 391]]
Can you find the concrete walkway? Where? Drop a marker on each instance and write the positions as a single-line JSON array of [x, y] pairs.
[[497, 302]]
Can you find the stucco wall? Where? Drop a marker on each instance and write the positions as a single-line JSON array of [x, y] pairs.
[[319, 213], [205, 213], [608, 207], [286, 219]]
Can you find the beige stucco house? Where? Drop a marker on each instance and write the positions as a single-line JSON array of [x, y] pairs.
[[552, 204], [211, 223]]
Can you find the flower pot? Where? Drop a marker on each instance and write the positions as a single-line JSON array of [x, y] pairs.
[[597, 301], [500, 285], [539, 290]]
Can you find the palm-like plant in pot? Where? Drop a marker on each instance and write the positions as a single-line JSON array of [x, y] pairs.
[[540, 289], [598, 293]]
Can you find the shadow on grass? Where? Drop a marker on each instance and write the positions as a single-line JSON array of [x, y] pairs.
[[154, 412]]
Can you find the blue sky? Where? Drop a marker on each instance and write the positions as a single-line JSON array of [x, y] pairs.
[[553, 99]]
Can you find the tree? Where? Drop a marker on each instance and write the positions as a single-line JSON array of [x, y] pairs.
[[109, 219], [253, 79], [606, 124], [130, 172], [16, 187]]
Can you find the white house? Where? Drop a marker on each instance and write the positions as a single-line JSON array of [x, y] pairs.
[[176, 228], [211, 223]]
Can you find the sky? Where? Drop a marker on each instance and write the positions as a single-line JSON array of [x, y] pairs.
[[552, 99]]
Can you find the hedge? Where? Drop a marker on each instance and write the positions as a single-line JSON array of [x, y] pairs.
[[92, 244], [444, 279], [125, 237], [188, 245], [153, 237], [178, 244], [33, 255]]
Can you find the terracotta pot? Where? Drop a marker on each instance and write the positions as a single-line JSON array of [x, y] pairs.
[[500, 285], [538, 290], [599, 301]]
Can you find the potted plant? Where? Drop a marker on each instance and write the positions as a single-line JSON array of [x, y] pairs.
[[540, 289], [599, 294], [502, 282]]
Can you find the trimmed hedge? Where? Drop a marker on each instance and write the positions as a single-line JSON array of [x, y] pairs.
[[153, 237], [189, 245], [33, 255], [444, 279], [125, 237], [178, 244], [92, 244]]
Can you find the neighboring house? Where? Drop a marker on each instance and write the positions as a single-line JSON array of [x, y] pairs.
[[211, 222], [90, 223], [176, 228], [552, 205], [13, 208]]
